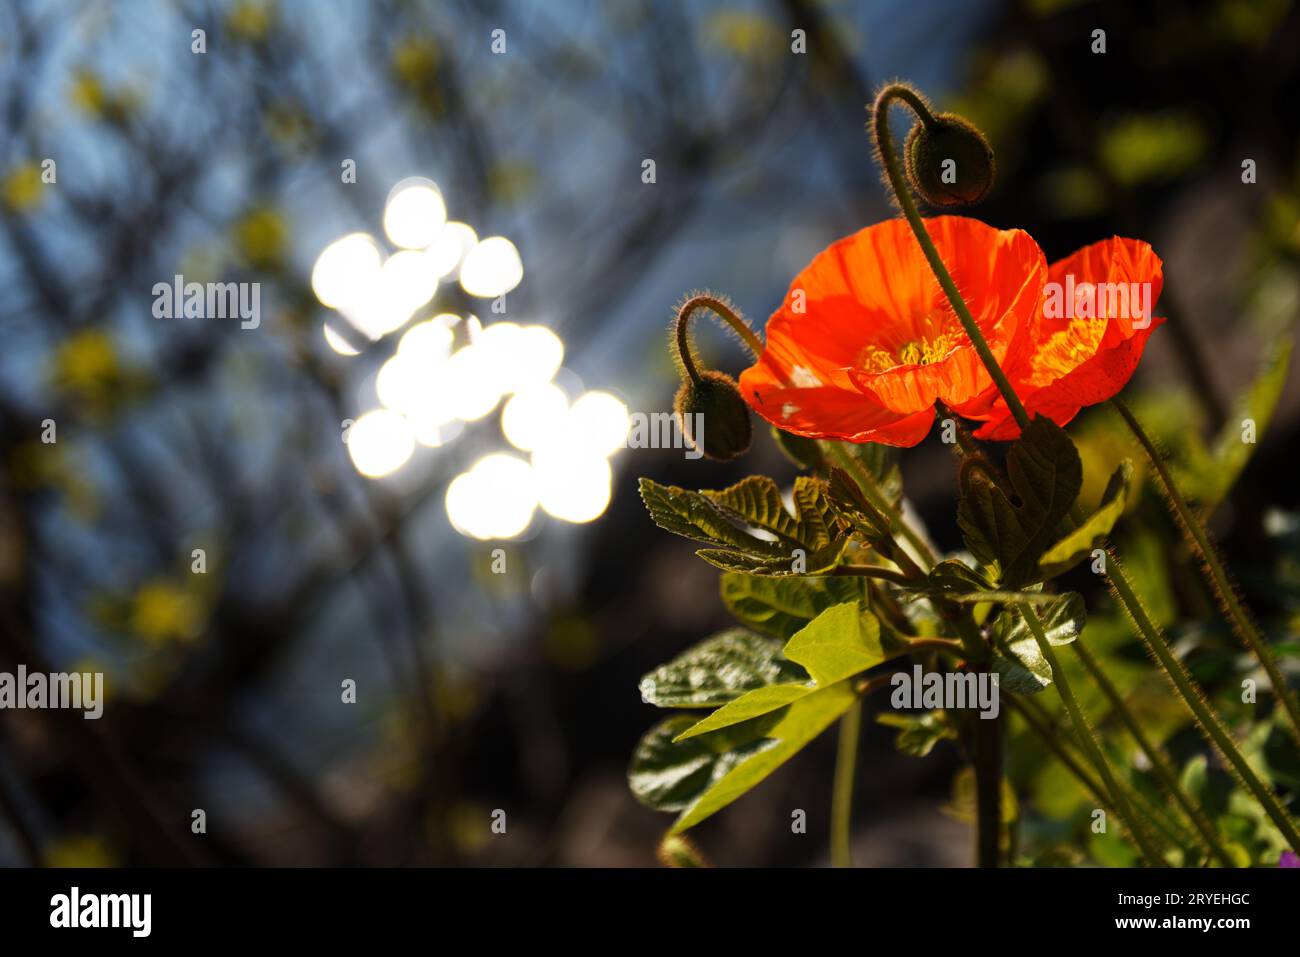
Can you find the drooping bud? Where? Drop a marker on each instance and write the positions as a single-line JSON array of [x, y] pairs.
[[676, 851], [948, 161], [799, 449], [713, 416]]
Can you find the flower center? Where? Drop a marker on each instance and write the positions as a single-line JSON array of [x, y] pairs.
[[931, 344]]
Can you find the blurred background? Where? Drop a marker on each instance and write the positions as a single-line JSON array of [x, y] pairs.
[[370, 499]]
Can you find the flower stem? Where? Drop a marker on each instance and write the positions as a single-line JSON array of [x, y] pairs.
[[871, 489], [1159, 763], [894, 173], [1088, 738], [1210, 723], [1216, 574], [719, 307], [842, 796]]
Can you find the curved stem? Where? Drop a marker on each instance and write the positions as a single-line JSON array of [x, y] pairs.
[[1211, 725], [720, 308], [1088, 738], [894, 173], [842, 796], [1216, 574], [1159, 763]]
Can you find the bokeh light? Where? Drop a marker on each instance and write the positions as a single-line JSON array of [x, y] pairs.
[[571, 485], [337, 342], [494, 499], [380, 442], [533, 417], [492, 268], [600, 422], [346, 270], [446, 252], [414, 214]]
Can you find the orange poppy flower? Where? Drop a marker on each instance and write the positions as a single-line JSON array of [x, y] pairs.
[[1087, 337], [866, 342]]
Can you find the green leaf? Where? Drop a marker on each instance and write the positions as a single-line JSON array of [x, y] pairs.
[[1079, 544], [669, 776], [859, 514], [719, 670], [1229, 450], [795, 726], [952, 576], [1011, 527], [918, 733], [797, 563], [1017, 659], [730, 520], [839, 643], [781, 606]]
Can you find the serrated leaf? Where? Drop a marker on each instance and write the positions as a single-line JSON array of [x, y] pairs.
[[693, 516], [1017, 659], [1079, 544], [839, 643], [757, 501], [806, 542], [855, 511], [954, 576], [1229, 451], [1011, 527], [781, 606], [718, 670], [918, 733], [798, 562], [669, 776], [796, 725]]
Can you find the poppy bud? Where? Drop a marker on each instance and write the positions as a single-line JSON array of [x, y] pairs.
[[801, 450], [948, 161], [713, 404]]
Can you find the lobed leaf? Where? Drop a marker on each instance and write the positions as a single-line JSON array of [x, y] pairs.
[[781, 606], [1017, 659], [1010, 527], [839, 643], [718, 670], [1079, 544]]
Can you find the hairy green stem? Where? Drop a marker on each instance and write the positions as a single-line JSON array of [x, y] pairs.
[[1159, 763], [846, 758], [1216, 574], [721, 308], [1210, 723], [889, 158], [1088, 738]]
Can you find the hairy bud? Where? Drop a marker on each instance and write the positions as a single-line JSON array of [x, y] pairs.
[[715, 404], [948, 161]]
